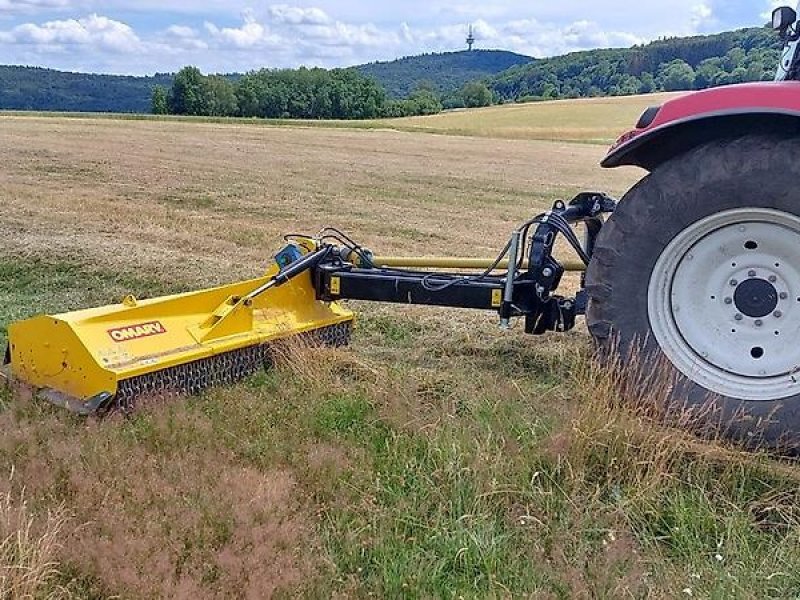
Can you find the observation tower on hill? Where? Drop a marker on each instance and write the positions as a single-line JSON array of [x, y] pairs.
[[470, 39]]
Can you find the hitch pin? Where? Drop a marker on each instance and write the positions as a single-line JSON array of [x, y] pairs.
[[508, 297]]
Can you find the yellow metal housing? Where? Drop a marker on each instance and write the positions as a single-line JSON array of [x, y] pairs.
[[86, 353]]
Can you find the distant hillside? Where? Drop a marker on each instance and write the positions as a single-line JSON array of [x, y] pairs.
[[447, 72], [672, 64], [31, 88]]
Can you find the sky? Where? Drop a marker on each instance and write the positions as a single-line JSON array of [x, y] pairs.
[[146, 36]]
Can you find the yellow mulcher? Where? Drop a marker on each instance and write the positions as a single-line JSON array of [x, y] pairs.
[[103, 358], [100, 359]]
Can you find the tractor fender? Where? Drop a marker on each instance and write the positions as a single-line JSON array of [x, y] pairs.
[[689, 121]]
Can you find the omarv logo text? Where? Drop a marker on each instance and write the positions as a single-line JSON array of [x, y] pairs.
[[135, 332]]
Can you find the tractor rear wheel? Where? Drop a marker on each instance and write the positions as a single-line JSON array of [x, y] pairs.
[[698, 273]]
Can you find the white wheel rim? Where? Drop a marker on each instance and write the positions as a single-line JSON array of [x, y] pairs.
[[710, 303]]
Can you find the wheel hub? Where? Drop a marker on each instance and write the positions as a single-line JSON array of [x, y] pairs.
[[756, 298], [724, 303]]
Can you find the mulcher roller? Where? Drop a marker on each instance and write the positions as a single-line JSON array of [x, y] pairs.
[[107, 358]]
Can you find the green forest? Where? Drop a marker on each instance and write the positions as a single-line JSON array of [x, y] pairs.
[[447, 73], [33, 88], [288, 94], [423, 84], [666, 65]]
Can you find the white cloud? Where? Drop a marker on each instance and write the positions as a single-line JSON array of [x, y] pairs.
[[23, 6], [97, 31], [181, 31], [181, 37], [302, 32], [250, 35], [702, 15], [295, 15]]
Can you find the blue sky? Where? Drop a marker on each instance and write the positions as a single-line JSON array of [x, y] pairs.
[[145, 36]]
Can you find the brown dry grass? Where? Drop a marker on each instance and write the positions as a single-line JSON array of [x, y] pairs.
[[161, 509], [204, 202], [30, 547], [592, 120]]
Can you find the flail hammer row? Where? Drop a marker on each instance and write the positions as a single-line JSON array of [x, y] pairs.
[[224, 369]]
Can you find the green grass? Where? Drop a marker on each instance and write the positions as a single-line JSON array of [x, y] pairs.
[[493, 495], [34, 286], [479, 468]]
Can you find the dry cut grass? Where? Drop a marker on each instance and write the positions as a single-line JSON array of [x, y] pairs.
[[203, 203], [588, 120]]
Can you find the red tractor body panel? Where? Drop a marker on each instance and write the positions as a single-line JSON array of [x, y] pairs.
[[688, 121]]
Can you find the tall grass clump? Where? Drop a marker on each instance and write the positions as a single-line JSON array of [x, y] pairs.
[[29, 549], [713, 518]]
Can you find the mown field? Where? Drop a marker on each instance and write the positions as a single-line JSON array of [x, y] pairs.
[[586, 120], [436, 458]]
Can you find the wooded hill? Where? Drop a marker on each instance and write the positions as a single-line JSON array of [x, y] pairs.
[[32, 88], [671, 64], [446, 72]]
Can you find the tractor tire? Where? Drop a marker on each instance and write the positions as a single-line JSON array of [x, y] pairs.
[[697, 276]]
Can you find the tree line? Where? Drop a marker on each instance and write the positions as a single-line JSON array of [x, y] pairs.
[[288, 94], [697, 62]]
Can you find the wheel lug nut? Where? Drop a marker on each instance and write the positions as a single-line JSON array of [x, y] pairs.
[[759, 322], [772, 279], [738, 317], [728, 301], [777, 314], [734, 283], [784, 296], [751, 273]]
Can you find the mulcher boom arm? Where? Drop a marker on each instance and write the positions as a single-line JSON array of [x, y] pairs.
[[525, 290]]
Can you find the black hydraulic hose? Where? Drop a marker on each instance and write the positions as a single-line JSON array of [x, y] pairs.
[[456, 280]]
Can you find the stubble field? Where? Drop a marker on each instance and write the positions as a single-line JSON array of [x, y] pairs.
[[437, 457]]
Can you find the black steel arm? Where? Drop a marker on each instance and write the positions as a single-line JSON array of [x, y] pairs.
[[532, 292]]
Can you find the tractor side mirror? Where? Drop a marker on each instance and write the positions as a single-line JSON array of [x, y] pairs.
[[783, 18]]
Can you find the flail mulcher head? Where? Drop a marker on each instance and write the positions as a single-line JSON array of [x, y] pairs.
[[101, 359]]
